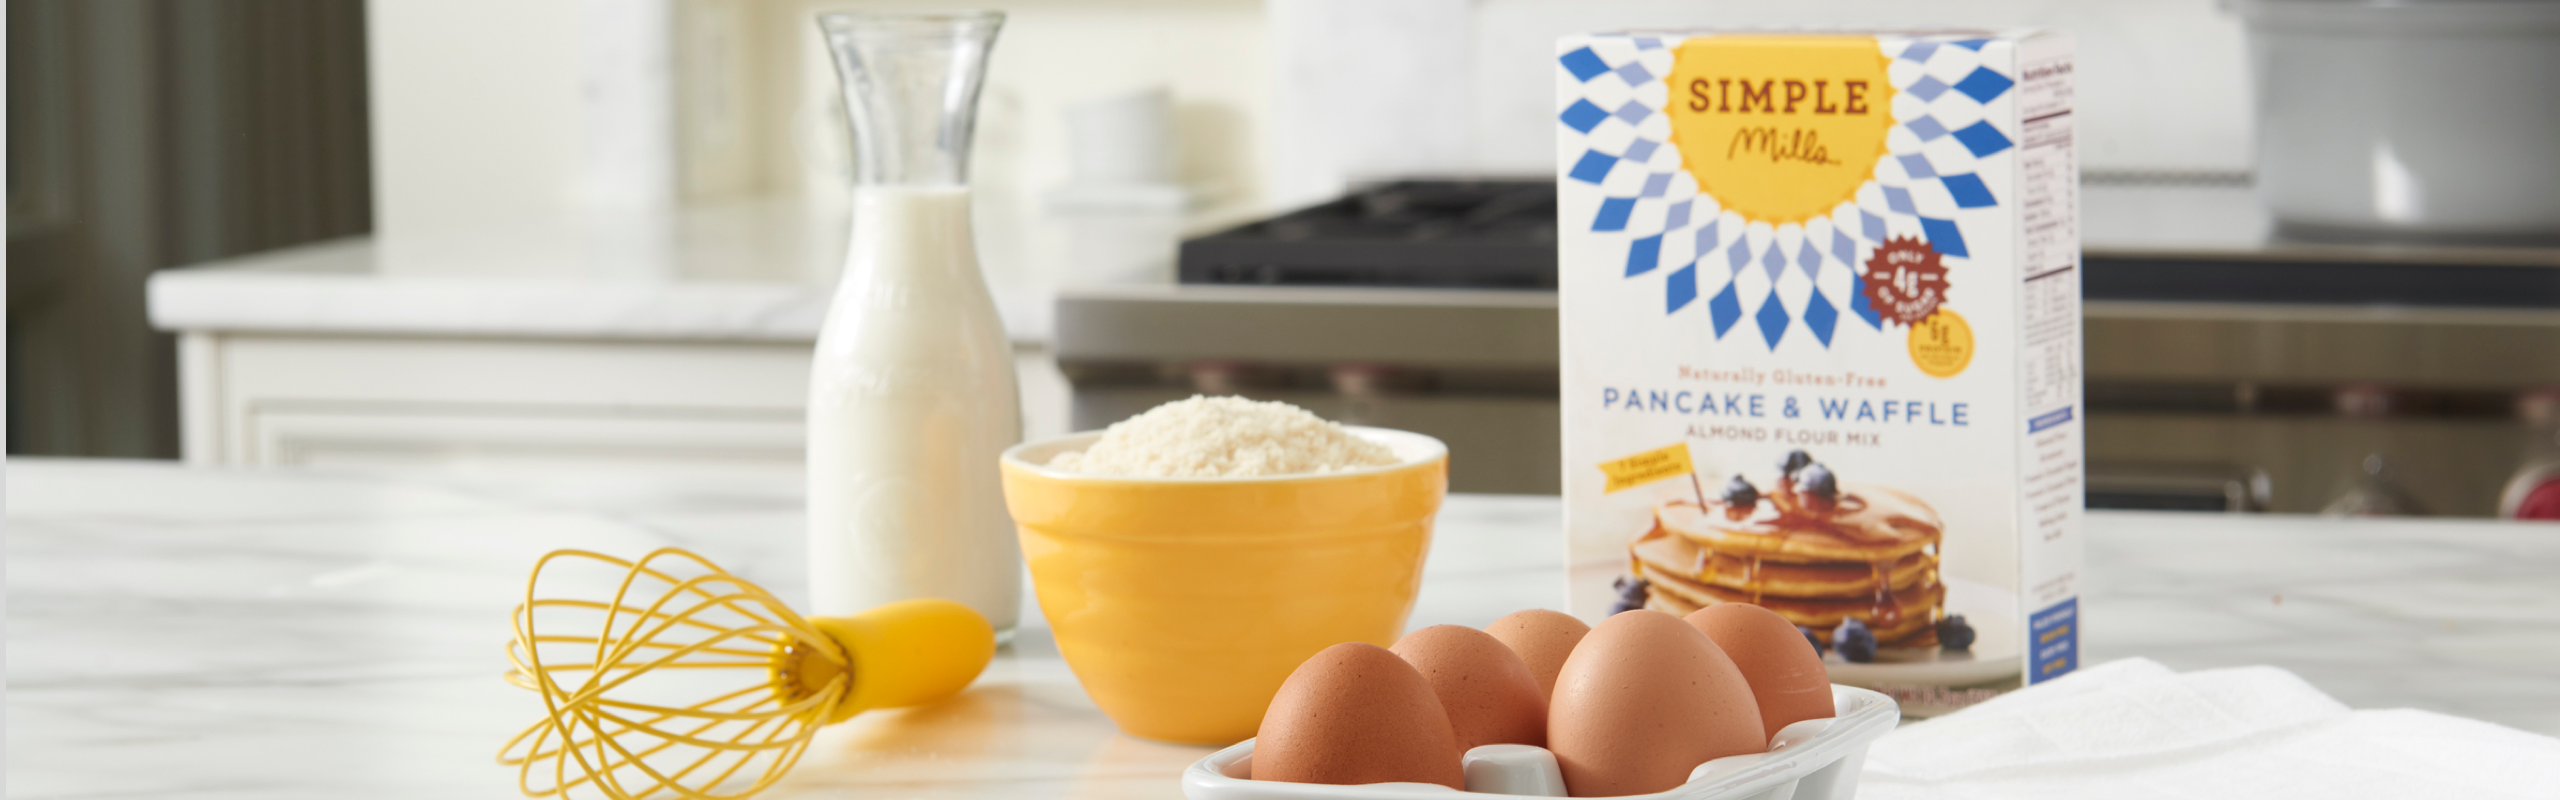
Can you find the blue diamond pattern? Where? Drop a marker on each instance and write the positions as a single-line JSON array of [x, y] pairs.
[[1898, 199], [1584, 64], [1982, 139], [1593, 168], [1655, 185], [1858, 302], [1968, 191], [1725, 309], [1820, 317], [1943, 237], [1984, 84], [1644, 255], [1773, 320], [1821, 313], [1582, 116], [1614, 213]]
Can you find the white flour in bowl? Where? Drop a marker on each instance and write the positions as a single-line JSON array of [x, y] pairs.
[[1224, 437]]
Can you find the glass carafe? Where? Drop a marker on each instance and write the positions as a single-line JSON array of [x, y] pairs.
[[911, 394]]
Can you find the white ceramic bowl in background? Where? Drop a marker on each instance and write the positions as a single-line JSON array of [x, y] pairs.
[[2414, 118]]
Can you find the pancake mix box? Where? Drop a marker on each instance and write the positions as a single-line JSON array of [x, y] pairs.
[[1821, 341]]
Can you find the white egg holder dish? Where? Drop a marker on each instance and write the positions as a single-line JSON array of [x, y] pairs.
[[1817, 759]]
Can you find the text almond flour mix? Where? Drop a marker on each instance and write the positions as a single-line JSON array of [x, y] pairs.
[[1821, 329]]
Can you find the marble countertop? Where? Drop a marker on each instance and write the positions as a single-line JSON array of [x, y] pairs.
[[198, 633]]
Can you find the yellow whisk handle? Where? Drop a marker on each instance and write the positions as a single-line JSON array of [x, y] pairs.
[[908, 653]]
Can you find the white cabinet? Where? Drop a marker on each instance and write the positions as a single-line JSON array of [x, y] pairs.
[[486, 404], [321, 355], [309, 399]]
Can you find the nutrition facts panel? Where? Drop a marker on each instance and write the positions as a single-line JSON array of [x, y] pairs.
[[2048, 179], [2050, 494], [2053, 344]]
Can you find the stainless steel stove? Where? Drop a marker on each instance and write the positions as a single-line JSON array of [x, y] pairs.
[[2226, 370]]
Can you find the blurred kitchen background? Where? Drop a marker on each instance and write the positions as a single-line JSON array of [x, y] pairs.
[[492, 234]]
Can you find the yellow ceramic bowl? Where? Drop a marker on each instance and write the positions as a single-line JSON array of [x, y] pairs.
[[1182, 603]]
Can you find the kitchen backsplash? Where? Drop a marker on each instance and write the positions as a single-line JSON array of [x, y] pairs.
[[1347, 113]]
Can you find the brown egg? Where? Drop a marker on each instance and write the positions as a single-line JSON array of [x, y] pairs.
[[1543, 639], [1644, 700], [1356, 713], [1785, 673], [1488, 692]]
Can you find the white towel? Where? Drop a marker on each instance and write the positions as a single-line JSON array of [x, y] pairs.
[[2136, 729]]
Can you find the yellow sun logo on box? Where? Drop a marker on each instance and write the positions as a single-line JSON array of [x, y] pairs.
[[1780, 128]]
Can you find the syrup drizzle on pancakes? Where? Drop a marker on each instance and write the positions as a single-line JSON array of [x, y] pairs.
[[1871, 555]]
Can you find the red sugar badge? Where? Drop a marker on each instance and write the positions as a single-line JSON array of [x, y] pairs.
[[1904, 280]]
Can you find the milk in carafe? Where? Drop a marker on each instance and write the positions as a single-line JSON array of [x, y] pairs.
[[911, 400], [911, 393]]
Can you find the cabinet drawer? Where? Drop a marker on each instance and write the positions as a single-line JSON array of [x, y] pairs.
[[483, 404], [494, 438]]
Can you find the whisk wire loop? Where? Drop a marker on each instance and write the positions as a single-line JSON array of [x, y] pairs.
[[694, 586], [671, 612], [542, 735]]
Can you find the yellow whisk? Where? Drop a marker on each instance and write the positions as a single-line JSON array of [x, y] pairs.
[[624, 679]]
